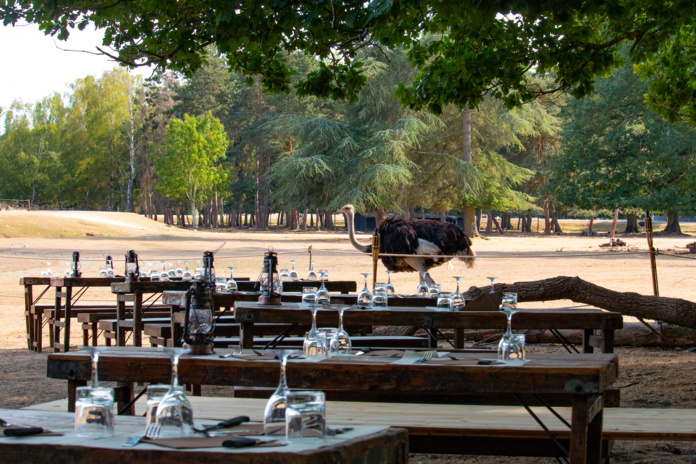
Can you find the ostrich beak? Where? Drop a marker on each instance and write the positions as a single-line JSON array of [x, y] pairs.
[[341, 211]]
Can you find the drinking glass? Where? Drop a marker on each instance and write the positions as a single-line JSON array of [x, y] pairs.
[[458, 301], [444, 301], [47, 272], [434, 290], [390, 286], [94, 407], [284, 274], [511, 347], [164, 275], [154, 274], [220, 286], [365, 296], [381, 297], [312, 274], [423, 285], [155, 393], [174, 412], [509, 307], [315, 343], [323, 297], [171, 272], [179, 271], [274, 414], [231, 283], [309, 296], [198, 272], [68, 269], [293, 272], [492, 279], [340, 342], [187, 274], [306, 410], [103, 273]]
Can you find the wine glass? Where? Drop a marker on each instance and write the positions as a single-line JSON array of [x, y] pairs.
[[390, 286], [444, 301], [340, 342], [164, 275], [48, 272], [293, 272], [309, 296], [458, 301], [323, 297], [274, 414], [179, 271], [171, 271], [509, 307], [187, 274], [231, 283], [198, 272], [284, 274], [94, 415], [434, 290], [174, 413], [492, 279], [312, 274], [103, 273], [423, 285], [365, 296], [380, 299]]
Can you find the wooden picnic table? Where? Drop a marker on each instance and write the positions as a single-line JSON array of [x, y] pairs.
[[584, 378], [69, 290], [377, 443], [34, 317], [588, 320]]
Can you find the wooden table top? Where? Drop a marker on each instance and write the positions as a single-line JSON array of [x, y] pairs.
[[147, 286], [246, 311], [352, 446], [85, 281], [542, 373], [32, 280]]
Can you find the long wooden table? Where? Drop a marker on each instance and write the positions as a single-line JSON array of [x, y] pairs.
[[584, 378], [376, 443], [587, 320], [69, 290], [34, 317]]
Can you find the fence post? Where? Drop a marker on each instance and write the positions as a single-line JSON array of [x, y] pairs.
[[653, 254]]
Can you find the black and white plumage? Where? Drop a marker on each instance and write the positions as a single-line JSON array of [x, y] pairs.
[[414, 237]]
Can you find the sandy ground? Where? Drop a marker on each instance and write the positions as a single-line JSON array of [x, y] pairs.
[[649, 377]]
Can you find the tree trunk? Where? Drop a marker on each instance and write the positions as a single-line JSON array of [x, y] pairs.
[[294, 220], [554, 222], [631, 224], [443, 216], [589, 227], [303, 226], [131, 150], [497, 226], [671, 310], [547, 219], [489, 222], [673, 226], [380, 216], [469, 211], [613, 223], [328, 220]]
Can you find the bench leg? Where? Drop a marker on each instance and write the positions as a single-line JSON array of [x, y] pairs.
[[586, 429]]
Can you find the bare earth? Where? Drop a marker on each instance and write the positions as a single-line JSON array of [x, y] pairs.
[[650, 377]]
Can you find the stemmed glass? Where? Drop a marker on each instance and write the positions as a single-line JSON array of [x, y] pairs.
[[492, 279], [340, 342], [365, 296], [312, 274], [390, 286], [458, 301], [179, 271], [47, 272], [323, 297], [164, 275], [309, 296], [187, 274], [231, 283], [172, 271], [174, 413], [423, 285], [94, 415], [198, 272], [509, 307], [284, 274], [274, 414], [293, 272]]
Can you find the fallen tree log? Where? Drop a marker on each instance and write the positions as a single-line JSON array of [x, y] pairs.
[[671, 310]]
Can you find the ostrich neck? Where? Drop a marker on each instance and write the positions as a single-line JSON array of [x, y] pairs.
[[353, 240]]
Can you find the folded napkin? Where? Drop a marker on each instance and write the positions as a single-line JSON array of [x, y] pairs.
[[248, 429], [412, 357], [384, 353], [203, 442], [255, 357], [15, 430]]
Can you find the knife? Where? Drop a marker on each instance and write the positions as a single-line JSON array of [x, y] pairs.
[[22, 431], [244, 442], [223, 425]]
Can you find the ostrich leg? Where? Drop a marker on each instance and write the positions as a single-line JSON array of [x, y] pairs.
[[419, 265]]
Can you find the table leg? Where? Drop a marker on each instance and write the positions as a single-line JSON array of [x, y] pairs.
[[607, 341], [124, 396], [586, 344], [72, 392], [28, 314], [246, 335], [54, 331], [120, 316], [432, 337], [138, 319], [68, 316], [459, 340], [586, 429], [38, 329]]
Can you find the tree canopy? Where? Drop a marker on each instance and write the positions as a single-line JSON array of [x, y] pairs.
[[482, 48]]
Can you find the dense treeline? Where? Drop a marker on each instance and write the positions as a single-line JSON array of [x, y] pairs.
[[217, 148]]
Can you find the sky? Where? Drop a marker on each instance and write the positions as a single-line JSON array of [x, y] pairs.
[[32, 66]]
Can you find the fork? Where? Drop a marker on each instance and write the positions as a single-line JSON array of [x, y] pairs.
[[427, 356], [152, 432]]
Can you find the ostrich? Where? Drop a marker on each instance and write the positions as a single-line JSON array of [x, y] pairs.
[[416, 237]]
